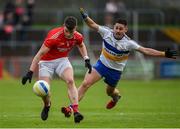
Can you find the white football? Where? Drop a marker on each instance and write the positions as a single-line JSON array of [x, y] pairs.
[[41, 88]]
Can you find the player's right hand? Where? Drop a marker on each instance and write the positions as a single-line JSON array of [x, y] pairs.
[[88, 65], [28, 76], [171, 53]]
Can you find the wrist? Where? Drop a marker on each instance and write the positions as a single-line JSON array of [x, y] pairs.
[[163, 54], [84, 16], [86, 57]]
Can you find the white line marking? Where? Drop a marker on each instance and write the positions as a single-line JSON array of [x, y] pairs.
[[93, 114]]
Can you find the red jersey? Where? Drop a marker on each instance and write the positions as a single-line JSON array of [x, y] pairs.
[[59, 45]]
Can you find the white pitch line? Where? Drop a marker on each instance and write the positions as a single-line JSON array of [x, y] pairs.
[[93, 114], [133, 113]]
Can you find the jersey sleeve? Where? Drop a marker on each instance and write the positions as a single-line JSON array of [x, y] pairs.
[[50, 43], [133, 45], [80, 39], [103, 31]]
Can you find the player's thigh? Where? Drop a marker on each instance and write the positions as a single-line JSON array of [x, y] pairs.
[[92, 78], [46, 70], [64, 69], [67, 75]]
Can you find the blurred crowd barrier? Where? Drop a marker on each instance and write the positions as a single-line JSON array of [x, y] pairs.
[[15, 67]]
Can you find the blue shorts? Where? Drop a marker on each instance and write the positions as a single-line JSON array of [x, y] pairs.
[[111, 76]]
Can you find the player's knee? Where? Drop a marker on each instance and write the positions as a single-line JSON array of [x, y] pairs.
[[70, 81]]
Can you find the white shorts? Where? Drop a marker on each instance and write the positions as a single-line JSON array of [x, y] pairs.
[[47, 68]]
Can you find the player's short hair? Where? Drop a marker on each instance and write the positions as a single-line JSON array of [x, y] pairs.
[[70, 22], [121, 21]]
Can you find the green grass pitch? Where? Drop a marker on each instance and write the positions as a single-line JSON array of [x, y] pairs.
[[152, 104]]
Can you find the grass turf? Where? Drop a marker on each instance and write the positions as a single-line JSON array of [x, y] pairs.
[[153, 104]]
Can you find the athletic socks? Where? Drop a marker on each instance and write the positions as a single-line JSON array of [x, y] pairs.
[[74, 108]]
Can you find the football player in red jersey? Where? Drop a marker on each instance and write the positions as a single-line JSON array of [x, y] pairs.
[[53, 57]]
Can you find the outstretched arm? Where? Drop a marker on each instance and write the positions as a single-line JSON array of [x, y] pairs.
[[88, 20], [152, 52]]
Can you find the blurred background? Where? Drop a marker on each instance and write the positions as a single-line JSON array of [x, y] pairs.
[[152, 23]]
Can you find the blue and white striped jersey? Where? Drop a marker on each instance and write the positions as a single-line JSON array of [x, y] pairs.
[[115, 52]]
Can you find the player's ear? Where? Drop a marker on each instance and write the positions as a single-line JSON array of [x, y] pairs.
[[126, 29], [75, 27]]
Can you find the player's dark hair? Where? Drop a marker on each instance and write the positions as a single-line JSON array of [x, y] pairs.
[[70, 22], [121, 21]]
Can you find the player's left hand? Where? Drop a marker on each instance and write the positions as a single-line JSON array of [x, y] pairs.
[[171, 53], [28, 76], [83, 14], [88, 65]]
